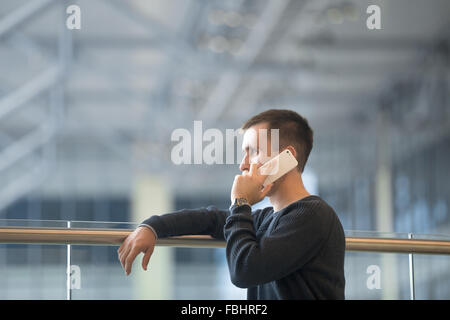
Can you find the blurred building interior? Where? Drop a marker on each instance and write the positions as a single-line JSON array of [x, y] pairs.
[[86, 116]]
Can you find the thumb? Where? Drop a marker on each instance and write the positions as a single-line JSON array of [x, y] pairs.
[[146, 259]]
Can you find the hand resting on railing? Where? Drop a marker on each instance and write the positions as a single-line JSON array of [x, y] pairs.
[[140, 240]]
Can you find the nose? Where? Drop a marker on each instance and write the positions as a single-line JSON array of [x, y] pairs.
[[245, 165]]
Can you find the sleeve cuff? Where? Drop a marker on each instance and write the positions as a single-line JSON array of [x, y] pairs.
[[150, 227]]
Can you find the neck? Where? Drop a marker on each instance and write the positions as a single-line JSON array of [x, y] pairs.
[[290, 189]]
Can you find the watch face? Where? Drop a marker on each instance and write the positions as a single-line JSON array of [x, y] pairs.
[[241, 201]]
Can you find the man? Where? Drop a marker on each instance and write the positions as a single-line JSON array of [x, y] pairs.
[[293, 250]]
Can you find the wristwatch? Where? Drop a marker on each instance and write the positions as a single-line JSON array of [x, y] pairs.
[[240, 202]]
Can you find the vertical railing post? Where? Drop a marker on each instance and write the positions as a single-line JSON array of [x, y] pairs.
[[412, 290], [68, 275]]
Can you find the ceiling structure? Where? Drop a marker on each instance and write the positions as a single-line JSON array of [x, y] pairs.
[[84, 111]]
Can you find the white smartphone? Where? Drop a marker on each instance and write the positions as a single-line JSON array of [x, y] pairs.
[[278, 166]]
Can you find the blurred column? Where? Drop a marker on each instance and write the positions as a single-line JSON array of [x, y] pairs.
[[383, 178], [151, 196], [384, 202]]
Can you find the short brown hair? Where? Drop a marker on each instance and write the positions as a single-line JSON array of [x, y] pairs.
[[294, 130]]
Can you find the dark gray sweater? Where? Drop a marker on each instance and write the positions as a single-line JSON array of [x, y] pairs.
[[295, 253]]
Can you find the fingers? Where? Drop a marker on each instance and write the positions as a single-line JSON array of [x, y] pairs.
[[130, 259], [129, 253], [123, 246], [253, 167], [265, 171], [146, 259], [123, 255], [268, 168]]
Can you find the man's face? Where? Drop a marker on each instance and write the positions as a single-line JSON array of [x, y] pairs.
[[256, 150], [256, 146]]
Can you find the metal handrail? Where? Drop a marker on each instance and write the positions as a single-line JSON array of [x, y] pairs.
[[90, 236]]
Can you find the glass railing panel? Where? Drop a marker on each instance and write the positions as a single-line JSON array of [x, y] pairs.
[[36, 272], [32, 271], [431, 272], [376, 275], [96, 272]]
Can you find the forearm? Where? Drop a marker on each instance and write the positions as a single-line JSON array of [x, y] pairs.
[[243, 251], [202, 221]]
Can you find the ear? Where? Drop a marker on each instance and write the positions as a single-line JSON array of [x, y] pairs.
[[292, 150]]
